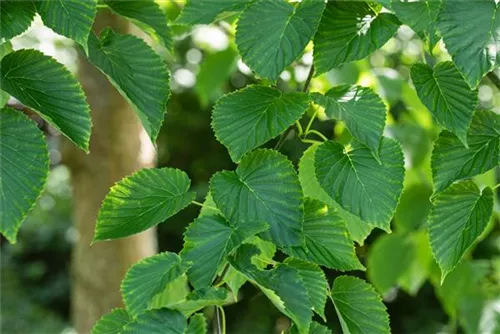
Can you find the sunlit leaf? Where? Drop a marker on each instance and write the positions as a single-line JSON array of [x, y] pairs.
[[206, 11], [112, 323]]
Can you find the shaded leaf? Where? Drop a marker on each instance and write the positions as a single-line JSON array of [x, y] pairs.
[[112, 323], [158, 321], [138, 73], [45, 85], [272, 34], [142, 200], [314, 329], [250, 117], [16, 17], [197, 324], [350, 31], [264, 188], [24, 169], [406, 218], [458, 216], [206, 11]]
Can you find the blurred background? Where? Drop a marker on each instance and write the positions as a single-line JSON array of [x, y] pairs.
[[37, 273]]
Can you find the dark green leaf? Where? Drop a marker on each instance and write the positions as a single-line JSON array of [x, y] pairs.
[[446, 95], [149, 277], [362, 186], [327, 241], [160, 321], [457, 218], [147, 15], [205, 12], [45, 85], [451, 161], [250, 117], [16, 17], [471, 31], [112, 323], [142, 200], [137, 72], [359, 307], [70, 18], [23, 170], [360, 108], [264, 188], [272, 34], [350, 31], [197, 324], [208, 241]]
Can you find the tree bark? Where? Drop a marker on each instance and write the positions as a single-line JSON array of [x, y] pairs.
[[119, 146]]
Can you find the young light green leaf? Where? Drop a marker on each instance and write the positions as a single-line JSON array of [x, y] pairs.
[[358, 306], [360, 108], [158, 321], [315, 282], [208, 241], [458, 217], [283, 286], [350, 31], [16, 17], [446, 95], [420, 263], [23, 170], [137, 72], [362, 186], [199, 299], [272, 34], [142, 200], [250, 117], [45, 85], [206, 11], [112, 323], [70, 18], [175, 292], [197, 324], [471, 33], [358, 229], [421, 16], [389, 260], [147, 15], [264, 188], [417, 195], [451, 161], [327, 241], [149, 277]]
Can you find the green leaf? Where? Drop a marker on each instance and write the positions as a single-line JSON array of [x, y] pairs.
[[197, 324], [315, 282], [16, 17], [137, 72], [272, 34], [350, 31], [264, 188], [406, 218], [23, 170], [358, 229], [41, 83], [446, 95], [147, 15], [200, 299], [358, 306], [175, 292], [420, 264], [70, 18], [471, 31], [283, 285], [451, 161], [314, 329], [5, 47], [158, 321], [421, 16], [389, 260], [360, 108], [149, 277], [250, 117], [142, 200], [208, 241], [355, 180], [327, 241], [112, 323], [206, 11], [457, 218]]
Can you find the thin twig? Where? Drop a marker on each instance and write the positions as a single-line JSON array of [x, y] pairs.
[[494, 79]]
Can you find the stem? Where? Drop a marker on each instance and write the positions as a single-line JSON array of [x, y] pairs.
[[495, 187], [308, 80], [197, 203], [494, 79], [313, 117], [299, 128], [310, 141], [218, 318], [319, 134], [101, 5], [204, 205], [223, 316]]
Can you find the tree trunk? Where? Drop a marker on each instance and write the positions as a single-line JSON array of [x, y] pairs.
[[119, 146]]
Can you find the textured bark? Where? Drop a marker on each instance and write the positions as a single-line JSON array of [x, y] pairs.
[[119, 146]]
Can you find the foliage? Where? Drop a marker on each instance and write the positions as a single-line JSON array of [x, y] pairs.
[[345, 186]]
